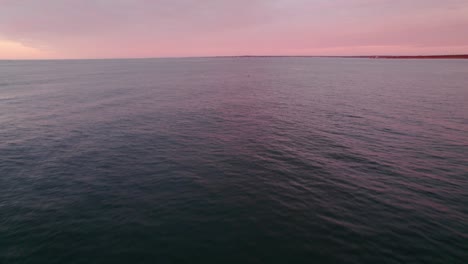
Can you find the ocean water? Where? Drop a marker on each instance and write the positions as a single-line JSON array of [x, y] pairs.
[[234, 160]]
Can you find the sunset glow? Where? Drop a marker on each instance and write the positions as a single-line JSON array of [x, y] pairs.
[[15, 50], [32, 29]]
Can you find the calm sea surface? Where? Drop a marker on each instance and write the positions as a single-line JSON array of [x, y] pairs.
[[234, 160]]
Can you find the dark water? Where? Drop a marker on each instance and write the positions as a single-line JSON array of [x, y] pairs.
[[247, 160]]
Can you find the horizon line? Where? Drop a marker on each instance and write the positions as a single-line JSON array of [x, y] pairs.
[[437, 56]]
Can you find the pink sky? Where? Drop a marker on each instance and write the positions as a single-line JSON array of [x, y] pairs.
[[34, 29]]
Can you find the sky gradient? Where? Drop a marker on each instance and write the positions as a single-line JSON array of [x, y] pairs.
[[58, 29]]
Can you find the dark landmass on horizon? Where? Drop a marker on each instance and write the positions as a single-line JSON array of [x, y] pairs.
[[459, 56], [414, 57]]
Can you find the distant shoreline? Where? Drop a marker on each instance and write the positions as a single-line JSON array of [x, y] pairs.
[[459, 56], [413, 57], [405, 57]]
